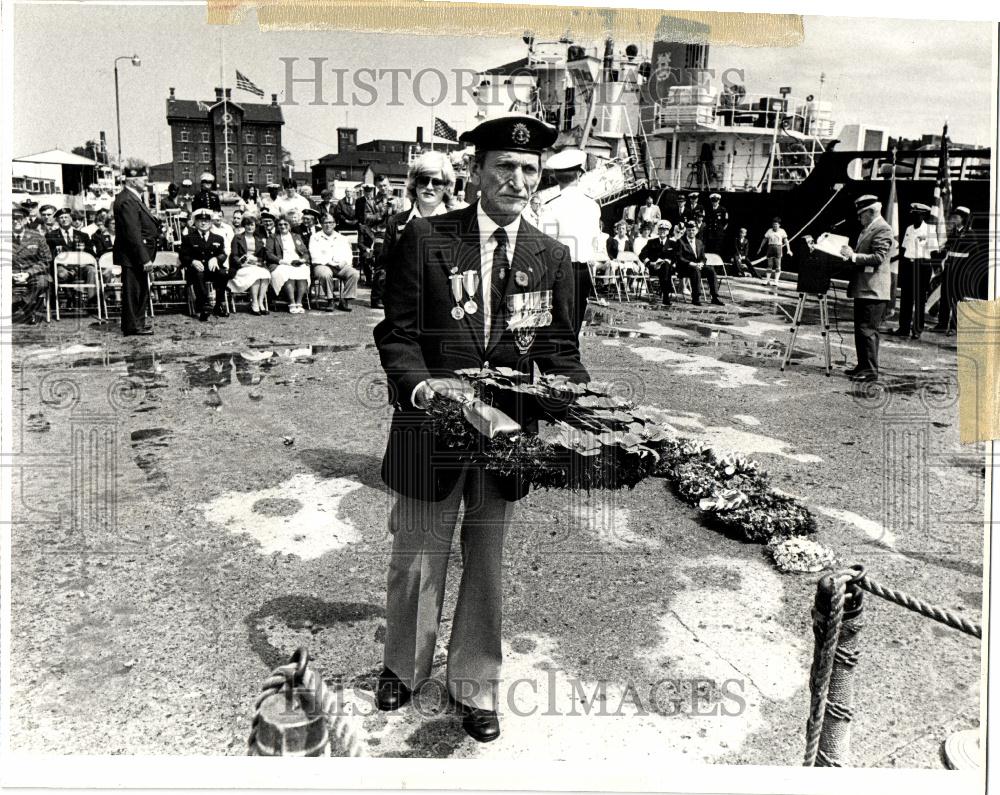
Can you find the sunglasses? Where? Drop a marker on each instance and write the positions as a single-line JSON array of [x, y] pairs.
[[424, 180]]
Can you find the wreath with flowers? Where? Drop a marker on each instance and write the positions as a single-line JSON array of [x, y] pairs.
[[584, 437]]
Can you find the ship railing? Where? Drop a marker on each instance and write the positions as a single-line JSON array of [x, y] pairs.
[[963, 164], [691, 107]]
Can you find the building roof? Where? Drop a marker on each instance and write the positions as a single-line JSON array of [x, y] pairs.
[[57, 156], [256, 112], [520, 66]]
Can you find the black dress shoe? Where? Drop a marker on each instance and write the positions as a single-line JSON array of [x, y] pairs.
[[376, 304], [696, 303], [390, 693], [256, 312], [482, 725], [916, 335], [851, 371], [220, 311], [203, 316], [265, 311], [717, 302], [344, 306], [864, 376], [31, 320]]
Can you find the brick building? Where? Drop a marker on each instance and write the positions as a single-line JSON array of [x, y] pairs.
[[198, 139], [354, 162]]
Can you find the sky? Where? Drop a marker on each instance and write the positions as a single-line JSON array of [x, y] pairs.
[[908, 75]]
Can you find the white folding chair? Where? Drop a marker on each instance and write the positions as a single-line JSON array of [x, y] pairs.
[[171, 260], [715, 262], [77, 260], [605, 278], [634, 280]]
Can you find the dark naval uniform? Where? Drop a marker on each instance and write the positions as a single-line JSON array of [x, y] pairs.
[[207, 199]]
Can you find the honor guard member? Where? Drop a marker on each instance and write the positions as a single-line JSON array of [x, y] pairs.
[[919, 243], [574, 219], [31, 260], [716, 224], [954, 255], [869, 284], [694, 212], [31, 218], [134, 249], [456, 283], [203, 254], [207, 198]]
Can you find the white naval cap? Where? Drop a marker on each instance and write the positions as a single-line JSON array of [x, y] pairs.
[[567, 159]]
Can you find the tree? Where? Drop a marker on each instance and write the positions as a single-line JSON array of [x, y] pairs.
[[135, 162]]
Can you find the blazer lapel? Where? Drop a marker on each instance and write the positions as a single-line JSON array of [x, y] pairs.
[[459, 252]]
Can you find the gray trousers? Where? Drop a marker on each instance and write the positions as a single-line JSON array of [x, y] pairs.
[[326, 275], [422, 535]]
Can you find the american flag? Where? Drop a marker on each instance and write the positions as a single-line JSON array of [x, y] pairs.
[[246, 84], [444, 130], [942, 190]]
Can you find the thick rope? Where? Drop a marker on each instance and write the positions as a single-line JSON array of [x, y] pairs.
[[919, 606], [823, 668]]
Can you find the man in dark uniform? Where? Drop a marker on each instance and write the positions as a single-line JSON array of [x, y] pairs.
[[716, 225], [370, 214], [452, 285], [677, 214], [31, 219], [31, 262], [694, 212], [185, 198], [658, 255], [136, 231], [953, 258], [207, 198], [203, 253]]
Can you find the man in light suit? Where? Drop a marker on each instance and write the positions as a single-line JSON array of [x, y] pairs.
[[136, 231], [869, 285], [437, 322]]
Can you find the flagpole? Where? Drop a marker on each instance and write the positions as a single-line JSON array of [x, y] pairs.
[[225, 107], [432, 129]]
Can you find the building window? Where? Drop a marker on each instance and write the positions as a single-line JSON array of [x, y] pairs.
[[250, 158], [269, 177], [186, 171], [185, 156], [185, 136], [269, 138], [205, 138], [230, 176], [269, 159], [229, 152], [668, 160], [205, 156], [250, 176], [249, 138], [695, 56]]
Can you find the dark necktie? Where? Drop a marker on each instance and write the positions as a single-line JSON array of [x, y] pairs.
[[498, 283], [69, 239]]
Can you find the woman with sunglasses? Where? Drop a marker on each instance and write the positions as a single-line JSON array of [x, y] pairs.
[[430, 187], [246, 271]]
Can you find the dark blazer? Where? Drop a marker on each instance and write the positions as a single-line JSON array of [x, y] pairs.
[[690, 252], [273, 252], [419, 338], [54, 240], [655, 250], [394, 227], [238, 254], [343, 212], [136, 231], [195, 247]]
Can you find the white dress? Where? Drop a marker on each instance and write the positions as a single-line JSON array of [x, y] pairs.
[[249, 273]]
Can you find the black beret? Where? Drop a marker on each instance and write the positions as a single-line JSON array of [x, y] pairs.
[[514, 132], [64, 211]]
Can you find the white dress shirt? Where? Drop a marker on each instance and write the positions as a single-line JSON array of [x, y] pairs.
[[487, 246], [285, 203], [333, 249], [920, 241], [573, 218]]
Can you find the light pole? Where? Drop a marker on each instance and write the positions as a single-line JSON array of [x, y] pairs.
[[118, 114]]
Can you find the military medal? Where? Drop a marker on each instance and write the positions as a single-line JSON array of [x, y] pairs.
[[471, 282], [456, 292], [521, 279]]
